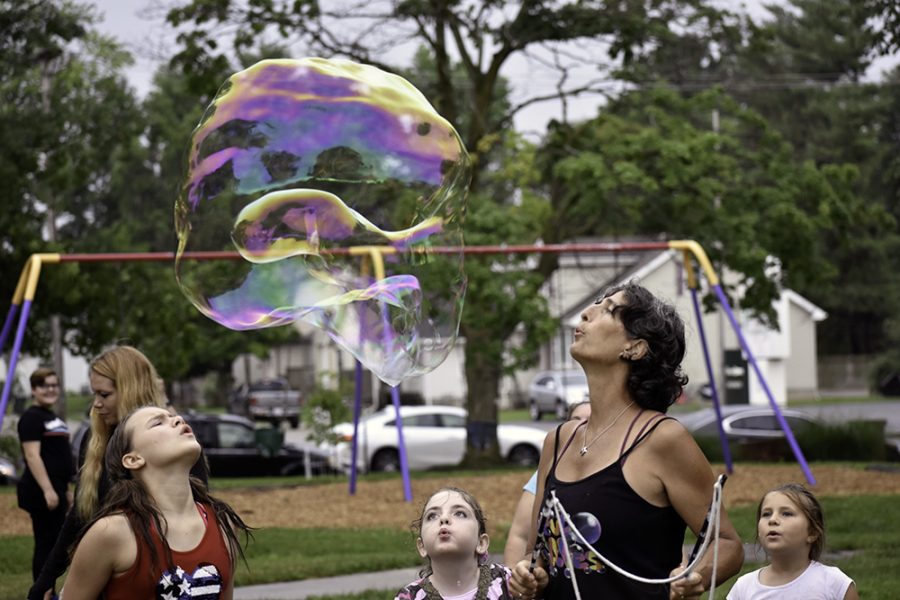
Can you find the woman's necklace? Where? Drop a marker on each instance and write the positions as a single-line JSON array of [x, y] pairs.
[[585, 445]]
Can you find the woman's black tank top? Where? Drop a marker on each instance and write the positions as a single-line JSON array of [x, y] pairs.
[[629, 531]]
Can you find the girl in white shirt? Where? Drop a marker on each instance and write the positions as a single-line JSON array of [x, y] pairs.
[[791, 529]]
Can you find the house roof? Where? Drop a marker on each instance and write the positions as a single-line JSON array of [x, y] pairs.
[[636, 266], [650, 262]]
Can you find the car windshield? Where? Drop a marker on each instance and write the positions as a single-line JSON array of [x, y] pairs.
[[267, 386]]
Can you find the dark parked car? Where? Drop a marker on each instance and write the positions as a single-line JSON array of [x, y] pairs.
[[744, 423], [235, 448]]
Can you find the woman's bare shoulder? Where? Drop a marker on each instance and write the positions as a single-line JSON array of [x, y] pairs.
[[114, 528]]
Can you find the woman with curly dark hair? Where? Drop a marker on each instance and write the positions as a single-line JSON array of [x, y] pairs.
[[633, 474]]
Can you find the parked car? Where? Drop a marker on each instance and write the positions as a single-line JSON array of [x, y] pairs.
[[270, 400], [235, 448], [435, 436], [745, 424], [554, 391], [8, 472]]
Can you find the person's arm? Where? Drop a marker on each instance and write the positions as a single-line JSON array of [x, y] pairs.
[[58, 560], [519, 531], [851, 594], [32, 453], [108, 547], [524, 581], [688, 481]]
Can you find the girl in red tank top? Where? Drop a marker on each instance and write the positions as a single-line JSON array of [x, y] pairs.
[[159, 534]]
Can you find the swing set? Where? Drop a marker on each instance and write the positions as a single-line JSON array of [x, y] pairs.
[[692, 252]]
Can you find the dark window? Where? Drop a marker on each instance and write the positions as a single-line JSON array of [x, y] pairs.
[[757, 422], [234, 435], [205, 433], [428, 420], [453, 421]]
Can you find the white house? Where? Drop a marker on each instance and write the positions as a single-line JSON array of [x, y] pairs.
[[786, 357]]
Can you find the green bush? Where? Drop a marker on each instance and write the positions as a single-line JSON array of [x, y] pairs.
[[325, 408], [853, 441], [9, 446]]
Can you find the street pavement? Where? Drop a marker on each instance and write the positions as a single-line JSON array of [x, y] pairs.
[[344, 584], [383, 580]]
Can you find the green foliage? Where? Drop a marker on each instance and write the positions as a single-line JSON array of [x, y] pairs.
[[15, 564], [10, 447], [277, 554], [325, 408], [652, 166], [854, 440], [810, 56]]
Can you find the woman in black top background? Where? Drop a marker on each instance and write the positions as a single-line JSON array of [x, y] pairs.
[[43, 490]]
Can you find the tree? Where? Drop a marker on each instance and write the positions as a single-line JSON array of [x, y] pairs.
[[81, 156], [482, 38], [810, 56], [65, 108], [651, 165], [135, 214]]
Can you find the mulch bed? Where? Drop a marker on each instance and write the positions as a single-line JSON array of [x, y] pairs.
[[380, 503]]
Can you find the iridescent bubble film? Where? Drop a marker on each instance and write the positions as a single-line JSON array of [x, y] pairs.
[[302, 166]]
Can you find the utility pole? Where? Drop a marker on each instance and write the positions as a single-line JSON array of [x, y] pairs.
[[717, 204]]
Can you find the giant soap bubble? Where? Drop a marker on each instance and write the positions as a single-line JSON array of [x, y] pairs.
[[301, 166]]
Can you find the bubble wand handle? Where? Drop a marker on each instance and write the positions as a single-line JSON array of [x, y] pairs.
[[701, 537]]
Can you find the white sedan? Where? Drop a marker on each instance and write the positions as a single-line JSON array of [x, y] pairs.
[[435, 436]]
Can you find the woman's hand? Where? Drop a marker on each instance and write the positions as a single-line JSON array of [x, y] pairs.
[[52, 499], [688, 587], [526, 583]]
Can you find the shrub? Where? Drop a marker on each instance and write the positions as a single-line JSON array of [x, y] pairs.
[[9, 446], [854, 440], [324, 409]]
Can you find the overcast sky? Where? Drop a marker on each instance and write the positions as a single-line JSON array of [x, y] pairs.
[[141, 28]]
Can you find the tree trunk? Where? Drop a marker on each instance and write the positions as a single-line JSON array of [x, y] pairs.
[[483, 380]]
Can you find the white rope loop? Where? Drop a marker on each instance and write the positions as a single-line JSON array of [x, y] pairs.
[[713, 522]]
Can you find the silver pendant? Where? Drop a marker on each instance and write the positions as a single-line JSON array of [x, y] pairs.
[[583, 450]]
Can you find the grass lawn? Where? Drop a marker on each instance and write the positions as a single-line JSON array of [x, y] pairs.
[[868, 526]]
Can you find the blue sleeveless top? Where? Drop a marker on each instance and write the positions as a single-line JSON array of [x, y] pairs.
[[635, 535]]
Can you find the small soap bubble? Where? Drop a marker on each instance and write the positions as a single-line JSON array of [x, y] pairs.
[[302, 166]]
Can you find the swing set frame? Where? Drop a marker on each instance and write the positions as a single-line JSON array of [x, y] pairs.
[[691, 250]]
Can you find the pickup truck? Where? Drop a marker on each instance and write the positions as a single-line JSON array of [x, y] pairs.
[[270, 400]]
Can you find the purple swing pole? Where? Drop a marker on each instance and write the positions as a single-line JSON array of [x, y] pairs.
[[792, 441], [357, 409], [13, 358], [404, 465], [7, 325], [723, 439]]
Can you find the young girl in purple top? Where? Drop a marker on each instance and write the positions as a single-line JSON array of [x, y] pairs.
[[452, 538]]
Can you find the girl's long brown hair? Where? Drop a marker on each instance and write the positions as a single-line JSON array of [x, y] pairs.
[[128, 497]]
